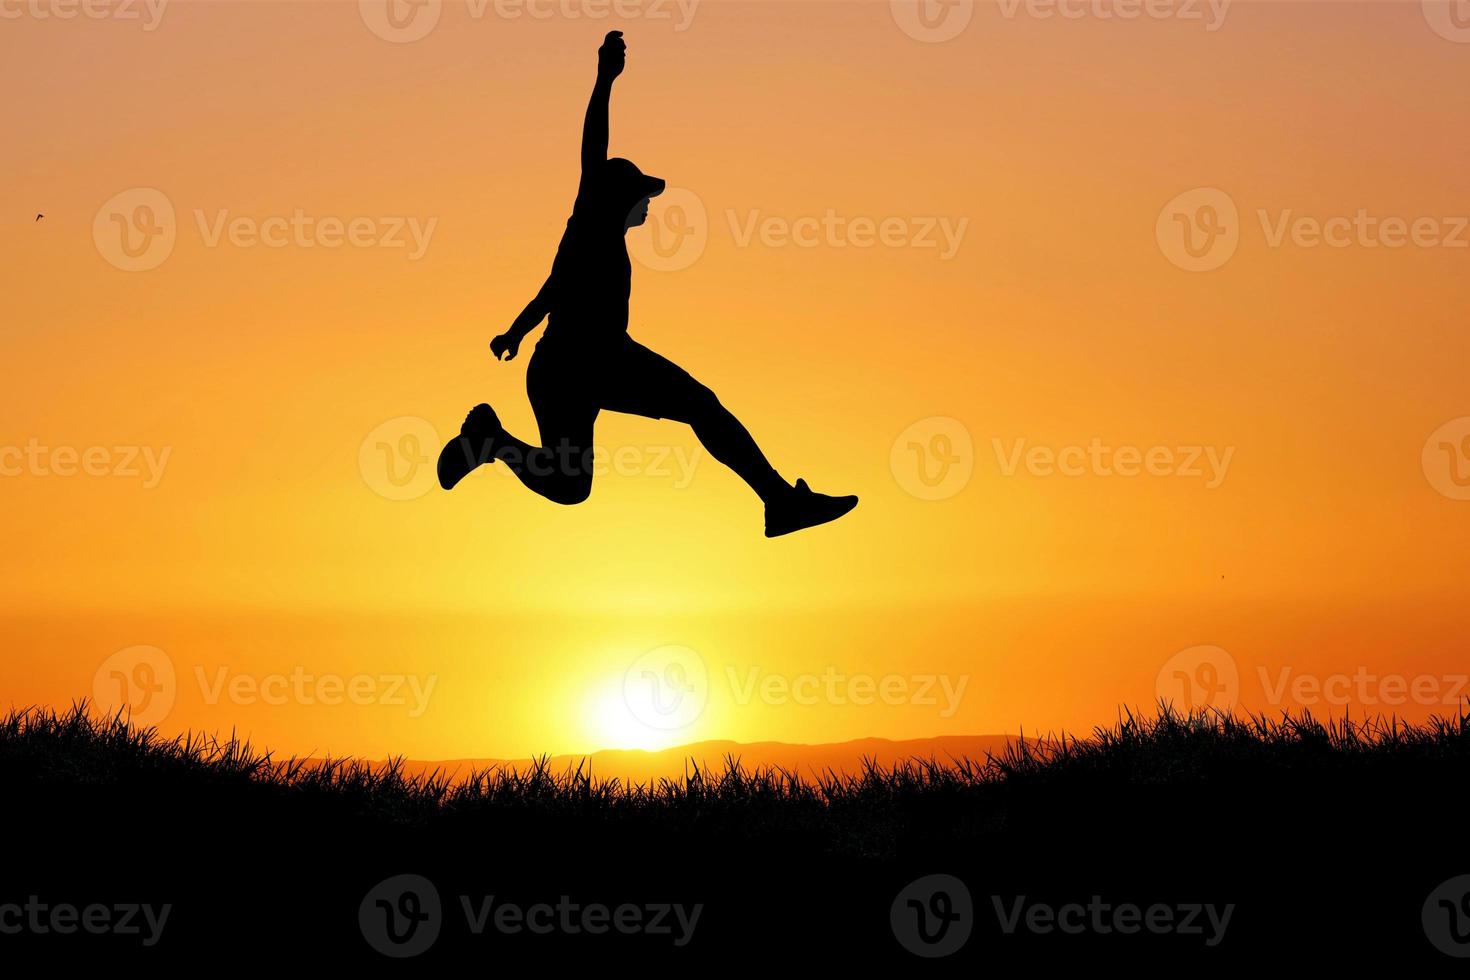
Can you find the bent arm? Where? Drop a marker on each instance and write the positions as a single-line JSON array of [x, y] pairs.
[[507, 344], [534, 313]]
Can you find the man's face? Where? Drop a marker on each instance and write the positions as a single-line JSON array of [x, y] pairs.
[[639, 214]]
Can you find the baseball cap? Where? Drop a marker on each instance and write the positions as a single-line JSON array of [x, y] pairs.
[[623, 180]]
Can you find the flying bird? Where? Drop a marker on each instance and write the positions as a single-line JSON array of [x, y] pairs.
[[39, 217]]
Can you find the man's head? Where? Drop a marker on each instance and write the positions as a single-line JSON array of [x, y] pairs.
[[627, 190]]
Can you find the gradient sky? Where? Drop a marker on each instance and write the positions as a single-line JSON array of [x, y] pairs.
[[1328, 545]]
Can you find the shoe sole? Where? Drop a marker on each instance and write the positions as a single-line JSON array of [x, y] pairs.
[[783, 529], [451, 462], [457, 460]]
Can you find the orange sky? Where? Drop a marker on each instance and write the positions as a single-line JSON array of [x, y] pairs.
[[248, 386]]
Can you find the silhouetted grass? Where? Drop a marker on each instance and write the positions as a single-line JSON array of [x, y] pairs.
[[1329, 829], [869, 811]]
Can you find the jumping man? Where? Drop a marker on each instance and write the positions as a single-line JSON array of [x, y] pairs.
[[586, 362]]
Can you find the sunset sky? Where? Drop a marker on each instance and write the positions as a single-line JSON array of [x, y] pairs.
[[977, 279]]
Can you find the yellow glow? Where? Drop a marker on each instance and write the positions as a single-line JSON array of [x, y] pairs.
[[610, 722]]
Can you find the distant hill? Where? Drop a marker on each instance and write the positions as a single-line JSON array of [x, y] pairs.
[[639, 765]]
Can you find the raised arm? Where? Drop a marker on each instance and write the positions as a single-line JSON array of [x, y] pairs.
[[610, 60]]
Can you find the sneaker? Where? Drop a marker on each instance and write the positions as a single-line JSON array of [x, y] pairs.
[[802, 508], [474, 445]]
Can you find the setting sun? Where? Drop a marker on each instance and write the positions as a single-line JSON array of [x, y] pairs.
[[609, 722]]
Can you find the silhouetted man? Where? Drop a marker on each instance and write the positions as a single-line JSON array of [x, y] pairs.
[[586, 362]]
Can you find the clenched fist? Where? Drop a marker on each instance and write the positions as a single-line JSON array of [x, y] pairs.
[[506, 346], [611, 56]]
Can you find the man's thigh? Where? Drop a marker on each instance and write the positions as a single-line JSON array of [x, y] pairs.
[[637, 381], [566, 410]]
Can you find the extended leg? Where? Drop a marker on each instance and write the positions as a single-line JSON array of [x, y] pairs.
[[731, 443], [650, 385], [655, 387]]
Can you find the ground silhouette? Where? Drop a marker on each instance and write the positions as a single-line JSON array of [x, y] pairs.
[[1311, 844]]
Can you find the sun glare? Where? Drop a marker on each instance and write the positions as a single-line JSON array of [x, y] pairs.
[[611, 723]]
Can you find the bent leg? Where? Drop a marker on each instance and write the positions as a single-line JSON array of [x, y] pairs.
[[560, 469], [647, 384], [561, 472]]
